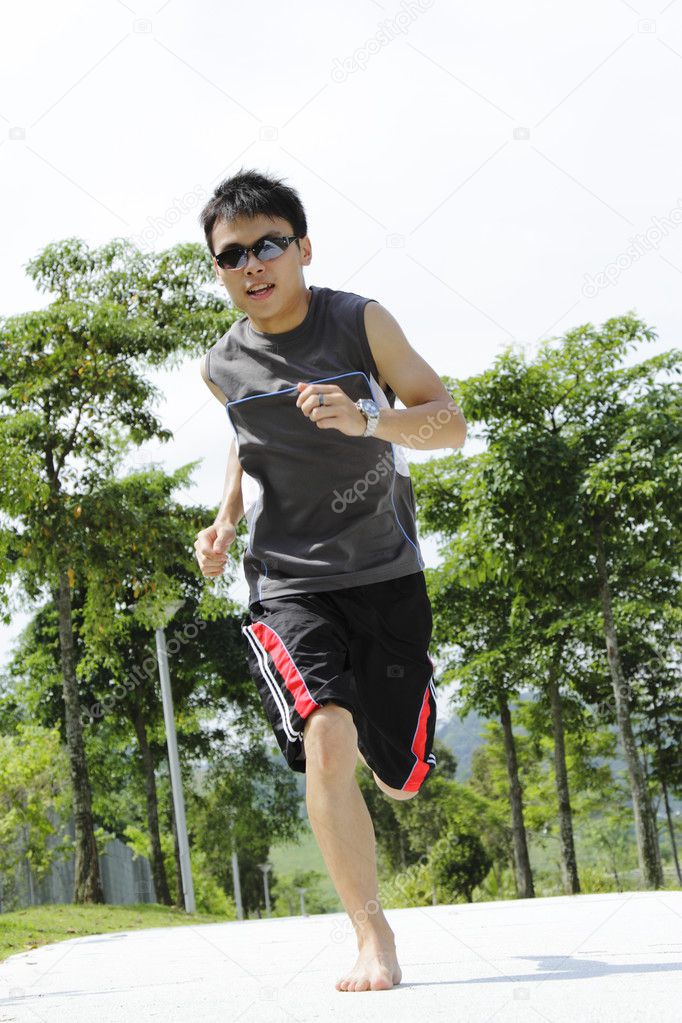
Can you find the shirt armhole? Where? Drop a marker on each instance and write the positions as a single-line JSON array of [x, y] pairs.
[[207, 366], [364, 341]]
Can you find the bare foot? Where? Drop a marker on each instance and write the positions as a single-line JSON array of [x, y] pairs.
[[376, 968]]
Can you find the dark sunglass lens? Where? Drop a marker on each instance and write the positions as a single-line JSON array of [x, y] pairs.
[[269, 248], [231, 258]]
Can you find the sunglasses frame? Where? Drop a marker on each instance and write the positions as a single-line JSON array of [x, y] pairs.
[[245, 249]]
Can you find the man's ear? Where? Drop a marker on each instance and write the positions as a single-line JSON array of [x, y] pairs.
[[306, 250]]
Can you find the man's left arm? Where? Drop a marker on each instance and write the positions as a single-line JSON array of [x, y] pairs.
[[430, 419]]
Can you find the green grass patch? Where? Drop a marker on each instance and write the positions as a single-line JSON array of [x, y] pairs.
[[290, 857], [33, 926]]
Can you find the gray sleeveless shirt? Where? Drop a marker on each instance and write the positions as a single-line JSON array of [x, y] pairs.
[[324, 511]]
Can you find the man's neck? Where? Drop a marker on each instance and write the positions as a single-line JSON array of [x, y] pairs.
[[285, 319]]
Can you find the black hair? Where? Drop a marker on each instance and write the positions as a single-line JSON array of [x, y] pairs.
[[251, 194]]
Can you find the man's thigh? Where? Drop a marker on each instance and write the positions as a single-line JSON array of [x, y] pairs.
[[390, 632], [297, 653]]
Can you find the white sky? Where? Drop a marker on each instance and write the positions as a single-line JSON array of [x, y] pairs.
[[473, 166]]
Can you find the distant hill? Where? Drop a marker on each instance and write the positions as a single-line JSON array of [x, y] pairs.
[[462, 737]]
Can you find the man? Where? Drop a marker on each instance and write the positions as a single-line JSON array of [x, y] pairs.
[[339, 618]]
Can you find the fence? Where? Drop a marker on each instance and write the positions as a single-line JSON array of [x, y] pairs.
[[126, 878]]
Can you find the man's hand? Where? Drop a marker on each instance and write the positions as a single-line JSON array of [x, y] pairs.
[[211, 547], [339, 412]]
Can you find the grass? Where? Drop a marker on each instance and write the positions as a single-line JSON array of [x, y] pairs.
[[25, 929], [305, 854]]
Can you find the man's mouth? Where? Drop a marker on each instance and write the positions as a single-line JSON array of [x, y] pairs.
[[260, 291]]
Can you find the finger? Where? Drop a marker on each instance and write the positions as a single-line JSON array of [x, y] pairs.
[[325, 422], [322, 412], [311, 389], [314, 408]]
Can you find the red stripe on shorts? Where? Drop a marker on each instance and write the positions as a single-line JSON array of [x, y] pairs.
[[294, 681], [421, 768]]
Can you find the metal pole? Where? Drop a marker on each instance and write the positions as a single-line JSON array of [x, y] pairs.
[[265, 867], [302, 892], [235, 883], [174, 766]]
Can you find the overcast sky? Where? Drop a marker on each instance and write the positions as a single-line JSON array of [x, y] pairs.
[[490, 172]]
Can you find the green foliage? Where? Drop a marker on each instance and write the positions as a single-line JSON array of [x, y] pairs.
[[209, 895], [286, 899], [248, 800], [34, 795], [458, 864]]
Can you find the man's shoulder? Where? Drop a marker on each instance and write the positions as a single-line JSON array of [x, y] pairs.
[[233, 332], [341, 301]]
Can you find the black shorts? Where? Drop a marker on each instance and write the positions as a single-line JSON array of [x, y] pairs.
[[365, 648]]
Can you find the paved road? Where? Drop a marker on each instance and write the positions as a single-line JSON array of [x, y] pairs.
[[580, 959]]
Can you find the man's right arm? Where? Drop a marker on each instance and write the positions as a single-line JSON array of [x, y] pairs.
[[212, 543]]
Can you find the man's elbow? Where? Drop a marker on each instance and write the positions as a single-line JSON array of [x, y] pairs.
[[458, 423]]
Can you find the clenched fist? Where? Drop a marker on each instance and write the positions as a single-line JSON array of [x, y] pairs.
[[211, 547]]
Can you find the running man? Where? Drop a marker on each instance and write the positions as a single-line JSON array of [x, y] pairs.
[[339, 620]]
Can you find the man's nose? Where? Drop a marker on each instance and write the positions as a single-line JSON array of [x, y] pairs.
[[252, 262]]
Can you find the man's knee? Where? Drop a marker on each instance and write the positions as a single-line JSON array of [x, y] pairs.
[[330, 737], [394, 793]]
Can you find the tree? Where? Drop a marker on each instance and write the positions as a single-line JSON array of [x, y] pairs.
[[117, 667], [72, 396], [246, 802], [33, 792], [569, 512], [392, 839]]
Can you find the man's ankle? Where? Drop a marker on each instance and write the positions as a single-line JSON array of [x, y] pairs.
[[376, 929]]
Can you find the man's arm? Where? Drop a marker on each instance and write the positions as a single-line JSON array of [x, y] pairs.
[[212, 543], [213, 388], [232, 506], [431, 419]]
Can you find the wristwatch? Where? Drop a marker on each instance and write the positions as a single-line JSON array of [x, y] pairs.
[[370, 411]]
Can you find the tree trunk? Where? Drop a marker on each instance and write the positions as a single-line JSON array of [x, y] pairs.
[[87, 877], [569, 867], [645, 826], [497, 870], [158, 868], [524, 878], [664, 787]]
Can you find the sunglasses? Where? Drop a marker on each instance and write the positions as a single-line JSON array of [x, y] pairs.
[[266, 248]]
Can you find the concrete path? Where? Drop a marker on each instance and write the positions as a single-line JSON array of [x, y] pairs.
[[583, 959]]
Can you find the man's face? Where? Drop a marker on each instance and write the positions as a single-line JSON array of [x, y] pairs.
[[284, 272]]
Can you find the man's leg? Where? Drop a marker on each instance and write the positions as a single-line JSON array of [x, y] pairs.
[[344, 831]]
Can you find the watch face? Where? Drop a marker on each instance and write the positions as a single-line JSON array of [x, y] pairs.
[[370, 406]]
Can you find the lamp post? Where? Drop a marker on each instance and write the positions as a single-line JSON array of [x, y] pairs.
[[265, 867], [235, 873], [173, 761]]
